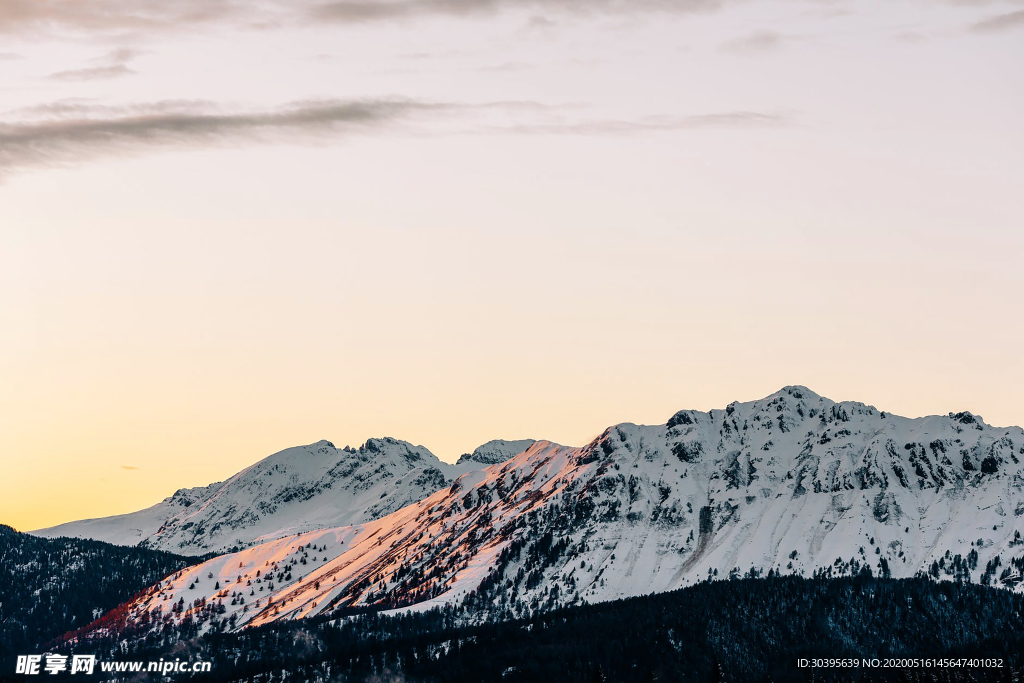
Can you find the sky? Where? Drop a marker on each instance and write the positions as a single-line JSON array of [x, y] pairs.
[[227, 228]]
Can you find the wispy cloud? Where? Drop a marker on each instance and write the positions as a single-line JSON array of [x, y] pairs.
[[758, 41], [93, 73], [541, 24], [68, 132], [109, 16], [142, 17], [1000, 22], [9, 56], [121, 55], [73, 131], [910, 37], [112, 65], [112, 15], [653, 124], [375, 10], [130, 467]]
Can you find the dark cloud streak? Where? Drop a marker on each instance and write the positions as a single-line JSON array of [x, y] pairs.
[[349, 11], [75, 132], [141, 16], [1000, 22], [93, 73]]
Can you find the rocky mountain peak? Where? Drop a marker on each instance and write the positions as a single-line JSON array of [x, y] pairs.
[[494, 451]]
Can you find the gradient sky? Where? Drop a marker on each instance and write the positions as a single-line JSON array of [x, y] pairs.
[[227, 228]]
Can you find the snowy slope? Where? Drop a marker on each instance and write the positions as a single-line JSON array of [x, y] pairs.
[[490, 453], [793, 483], [134, 527], [295, 490]]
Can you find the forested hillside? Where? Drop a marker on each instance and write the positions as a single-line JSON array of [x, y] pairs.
[[50, 586], [739, 630]]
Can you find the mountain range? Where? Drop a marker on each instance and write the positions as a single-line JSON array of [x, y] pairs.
[[792, 484], [289, 492]]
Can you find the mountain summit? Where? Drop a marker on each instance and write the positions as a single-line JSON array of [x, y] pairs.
[[794, 483], [289, 492], [493, 452]]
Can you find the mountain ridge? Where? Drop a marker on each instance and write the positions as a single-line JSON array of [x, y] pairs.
[[793, 483], [293, 490]]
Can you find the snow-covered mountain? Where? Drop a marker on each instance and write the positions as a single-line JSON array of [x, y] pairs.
[[792, 483], [289, 492], [132, 528], [491, 453]]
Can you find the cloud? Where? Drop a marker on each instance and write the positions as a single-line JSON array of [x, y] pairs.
[[111, 15], [982, 3], [122, 55], [1000, 22], [143, 16], [130, 467], [93, 74], [910, 37], [350, 11], [653, 124], [759, 41], [73, 131], [66, 132], [112, 65], [539, 22], [9, 56]]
